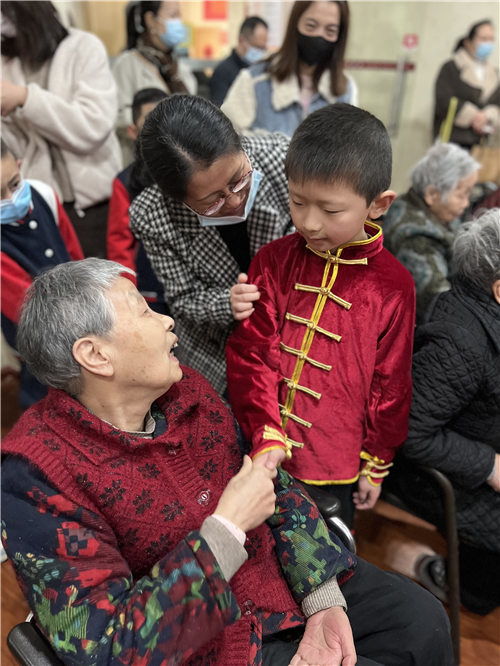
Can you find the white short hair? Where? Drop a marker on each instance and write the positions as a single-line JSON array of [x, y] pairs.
[[63, 305], [476, 250], [442, 167]]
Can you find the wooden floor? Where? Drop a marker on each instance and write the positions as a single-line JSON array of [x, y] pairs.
[[383, 537]]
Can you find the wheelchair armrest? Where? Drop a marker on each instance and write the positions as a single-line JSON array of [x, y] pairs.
[[30, 647]]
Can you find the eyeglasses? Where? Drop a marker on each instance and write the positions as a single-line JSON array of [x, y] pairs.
[[233, 189]]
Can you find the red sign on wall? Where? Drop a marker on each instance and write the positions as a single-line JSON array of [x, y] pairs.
[[410, 41], [215, 9]]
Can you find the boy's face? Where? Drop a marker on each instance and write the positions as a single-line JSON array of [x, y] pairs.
[[330, 214], [11, 176], [134, 130]]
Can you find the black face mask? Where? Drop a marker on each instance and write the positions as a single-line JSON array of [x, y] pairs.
[[314, 50]]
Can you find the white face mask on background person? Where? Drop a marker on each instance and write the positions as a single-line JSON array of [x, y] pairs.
[[175, 33], [254, 54], [233, 219]]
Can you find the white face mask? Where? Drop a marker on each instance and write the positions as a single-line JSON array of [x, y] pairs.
[[233, 219]]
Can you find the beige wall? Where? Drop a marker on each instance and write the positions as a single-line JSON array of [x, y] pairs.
[[377, 30]]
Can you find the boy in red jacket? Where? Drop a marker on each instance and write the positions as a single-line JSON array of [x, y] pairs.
[[321, 370]]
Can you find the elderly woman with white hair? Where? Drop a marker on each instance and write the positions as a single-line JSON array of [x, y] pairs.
[[420, 225], [455, 415], [134, 536]]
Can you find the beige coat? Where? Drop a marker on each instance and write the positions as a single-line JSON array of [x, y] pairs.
[[75, 113]]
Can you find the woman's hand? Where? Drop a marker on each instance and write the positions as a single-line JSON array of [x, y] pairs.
[[12, 96], [248, 499], [242, 298], [327, 640], [367, 495], [494, 482]]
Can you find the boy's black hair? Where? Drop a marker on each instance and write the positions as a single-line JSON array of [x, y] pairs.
[[250, 23], [182, 134], [341, 143], [145, 96]]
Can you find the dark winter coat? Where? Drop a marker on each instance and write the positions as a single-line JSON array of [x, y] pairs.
[[455, 415]]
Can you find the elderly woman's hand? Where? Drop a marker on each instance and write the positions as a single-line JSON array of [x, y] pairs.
[[248, 499], [12, 96], [242, 298]]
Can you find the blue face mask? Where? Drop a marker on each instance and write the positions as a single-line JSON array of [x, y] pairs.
[[483, 50], [18, 206], [254, 55], [234, 219], [175, 33]]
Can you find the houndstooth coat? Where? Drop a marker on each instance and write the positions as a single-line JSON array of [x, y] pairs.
[[195, 265]]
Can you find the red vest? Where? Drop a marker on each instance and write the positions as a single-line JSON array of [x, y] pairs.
[[154, 491]]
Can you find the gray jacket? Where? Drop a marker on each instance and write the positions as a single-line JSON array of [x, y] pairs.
[[256, 101]]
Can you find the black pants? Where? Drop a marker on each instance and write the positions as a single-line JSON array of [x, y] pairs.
[[394, 621], [341, 491], [91, 228]]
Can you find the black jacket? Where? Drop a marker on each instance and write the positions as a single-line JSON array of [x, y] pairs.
[[455, 415], [224, 74]]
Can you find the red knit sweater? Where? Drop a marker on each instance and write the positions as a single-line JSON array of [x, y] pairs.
[[155, 489]]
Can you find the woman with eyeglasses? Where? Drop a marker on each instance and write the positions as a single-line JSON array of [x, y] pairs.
[[305, 74], [218, 198]]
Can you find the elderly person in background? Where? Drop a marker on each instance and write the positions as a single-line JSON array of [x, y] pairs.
[[127, 531], [455, 416], [420, 225]]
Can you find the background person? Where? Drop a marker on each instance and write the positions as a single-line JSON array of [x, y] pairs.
[[144, 561], [252, 45], [59, 107], [306, 73], [154, 30], [122, 246], [36, 235], [474, 81], [420, 226], [455, 414], [217, 199]]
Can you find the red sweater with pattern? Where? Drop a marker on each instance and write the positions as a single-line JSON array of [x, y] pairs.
[[152, 492]]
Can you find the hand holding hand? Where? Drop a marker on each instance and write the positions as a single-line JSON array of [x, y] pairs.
[[248, 499], [494, 482], [367, 495], [271, 459], [327, 640], [12, 96], [242, 297]]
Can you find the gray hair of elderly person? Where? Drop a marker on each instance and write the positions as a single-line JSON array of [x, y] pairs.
[[442, 167], [62, 305], [476, 250]]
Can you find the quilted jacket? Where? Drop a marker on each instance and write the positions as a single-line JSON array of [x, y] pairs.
[[455, 415]]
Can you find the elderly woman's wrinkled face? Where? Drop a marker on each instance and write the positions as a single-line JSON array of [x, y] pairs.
[[453, 204], [141, 342]]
